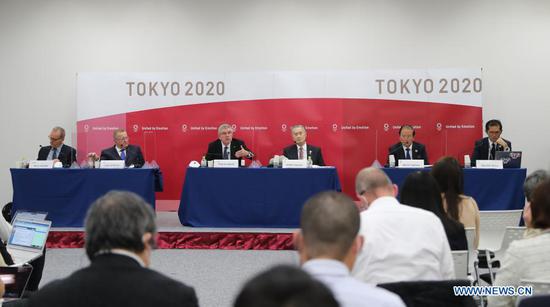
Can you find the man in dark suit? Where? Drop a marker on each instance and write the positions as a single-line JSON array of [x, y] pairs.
[[227, 147], [120, 234], [407, 148], [486, 148], [57, 151], [300, 150], [131, 154]]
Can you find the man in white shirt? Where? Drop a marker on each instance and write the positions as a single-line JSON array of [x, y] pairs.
[[328, 243], [402, 243]]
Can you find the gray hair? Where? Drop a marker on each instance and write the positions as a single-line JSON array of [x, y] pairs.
[[117, 131], [371, 178], [330, 223], [532, 181], [61, 131], [223, 127], [296, 127], [119, 219]]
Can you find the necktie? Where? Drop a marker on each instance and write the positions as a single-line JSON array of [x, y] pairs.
[[226, 153], [54, 153], [123, 154], [493, 151], [407, 153], [301, 153]]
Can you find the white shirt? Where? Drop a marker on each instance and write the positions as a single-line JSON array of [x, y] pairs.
[[348, 291], [228, 150], [402, 243], [305, 154], [410, 151]]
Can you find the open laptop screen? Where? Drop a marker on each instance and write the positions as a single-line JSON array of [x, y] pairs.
[[29, 234]]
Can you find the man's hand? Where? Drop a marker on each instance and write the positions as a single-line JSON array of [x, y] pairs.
[[242, 153], [502, 143]]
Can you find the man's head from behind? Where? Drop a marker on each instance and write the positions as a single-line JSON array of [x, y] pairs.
[[299, 134], [120, 220], [225, 133], [372, 183], [329, 226], [286, 286]]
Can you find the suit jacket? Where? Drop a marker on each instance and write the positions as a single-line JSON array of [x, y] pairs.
[[133, 155], [418, 151], [481, 149], [314, 152], [67, 154], [114, 280], [215, 149]]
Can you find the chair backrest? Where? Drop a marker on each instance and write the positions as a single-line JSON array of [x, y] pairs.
[[492, 225], [460, 259], [511, 233], [535, 301], [430, 293], [472, 251]]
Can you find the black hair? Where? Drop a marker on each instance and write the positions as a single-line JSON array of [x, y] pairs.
[[493, 122]]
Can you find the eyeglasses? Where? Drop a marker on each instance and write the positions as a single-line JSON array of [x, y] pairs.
[[54, 139]]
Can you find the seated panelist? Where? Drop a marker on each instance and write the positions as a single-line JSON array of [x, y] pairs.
[[407, 148], [122, 150], [226, 147], [300, 150], [57, 151], [486, 148]]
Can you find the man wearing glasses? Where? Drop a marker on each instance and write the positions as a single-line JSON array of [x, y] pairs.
[[57, 151], [122, 150]]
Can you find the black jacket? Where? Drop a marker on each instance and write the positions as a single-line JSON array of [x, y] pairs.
[[67, 154], [133, 155], [481, 149], [215, 149], [418, 151], [314, 152]]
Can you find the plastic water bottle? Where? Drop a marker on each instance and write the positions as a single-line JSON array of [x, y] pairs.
[[203, 162]]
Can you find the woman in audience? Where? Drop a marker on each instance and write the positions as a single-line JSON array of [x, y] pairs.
[[459, 207], [421, 190], [527, 259]]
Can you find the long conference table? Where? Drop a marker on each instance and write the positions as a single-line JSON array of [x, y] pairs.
[[250, 197], [266, 197], [66, 194]]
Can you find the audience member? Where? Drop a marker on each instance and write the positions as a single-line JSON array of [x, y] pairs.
[[402, 243], [122, 150], [420, 190], [407, 148], [486, 148], [531, 182], [328, 243], [450, 177], [120, 233], [527, 258], [285, 286], [300, 149], [57, 151], [226, 147]]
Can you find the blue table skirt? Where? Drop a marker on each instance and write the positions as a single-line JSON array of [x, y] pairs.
[[66, 194], [493, 189], [250, 197]]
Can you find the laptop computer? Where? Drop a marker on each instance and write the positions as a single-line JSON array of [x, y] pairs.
[[27, 240], [29, 215], [15, 281], [510, 159]]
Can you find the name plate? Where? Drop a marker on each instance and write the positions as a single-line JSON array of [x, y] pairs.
[[111, 164], [226, 163], [41, 164], [294, 163], [489, 164], [415, 163]]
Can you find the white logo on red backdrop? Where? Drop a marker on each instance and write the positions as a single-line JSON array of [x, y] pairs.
[[184, 128], [386, 127], [135, 128], [86, 128], [283, 127], [234, 127], [334, 127], [438, 126]]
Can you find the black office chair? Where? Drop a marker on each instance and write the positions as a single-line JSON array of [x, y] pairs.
[[430, 293], [535, 301]]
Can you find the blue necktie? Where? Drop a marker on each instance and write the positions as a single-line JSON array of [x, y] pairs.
[[123, 154], [408, 153], [226, 153], [54, 153]]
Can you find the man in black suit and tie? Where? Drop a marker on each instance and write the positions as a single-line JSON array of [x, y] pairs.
[[120, 235], [131, 154], [226, 147], [486, 148], [57, 151], [300, 150], [407, 148]]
